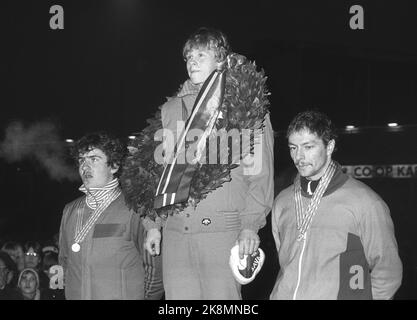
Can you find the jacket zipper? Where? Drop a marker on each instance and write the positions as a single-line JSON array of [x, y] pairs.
[[299, 267]]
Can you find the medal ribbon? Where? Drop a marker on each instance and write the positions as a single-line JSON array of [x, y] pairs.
[[82, 231], [305, 217]]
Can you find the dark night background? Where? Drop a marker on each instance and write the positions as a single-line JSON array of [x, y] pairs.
[[116, 61]]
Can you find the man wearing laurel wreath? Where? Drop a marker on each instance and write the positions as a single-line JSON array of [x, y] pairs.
[[197, 241], [334, 234], [101, 240]]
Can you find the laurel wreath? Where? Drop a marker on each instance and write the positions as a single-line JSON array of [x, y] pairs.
[[245, 105]]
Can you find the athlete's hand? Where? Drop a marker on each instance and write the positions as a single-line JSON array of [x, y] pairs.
[[248, 241], [153, 241]]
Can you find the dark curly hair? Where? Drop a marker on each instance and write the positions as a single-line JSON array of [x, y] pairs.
[[208, 38], [112, 147], [315, 122]]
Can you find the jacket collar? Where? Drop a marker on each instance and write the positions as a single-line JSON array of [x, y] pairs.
[[338, 179]]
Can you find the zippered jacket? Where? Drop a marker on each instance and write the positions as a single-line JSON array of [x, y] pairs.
[[109, 265], [349, 251]]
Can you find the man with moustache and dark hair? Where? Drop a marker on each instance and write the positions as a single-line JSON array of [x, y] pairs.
[[101, 240], [334, 234]]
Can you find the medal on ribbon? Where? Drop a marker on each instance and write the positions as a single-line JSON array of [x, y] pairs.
[[80, 230]]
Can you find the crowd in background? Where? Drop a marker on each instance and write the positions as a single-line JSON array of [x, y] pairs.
[[27, 270]]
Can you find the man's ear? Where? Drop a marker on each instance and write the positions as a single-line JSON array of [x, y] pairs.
[[114, 168], [330, 147]]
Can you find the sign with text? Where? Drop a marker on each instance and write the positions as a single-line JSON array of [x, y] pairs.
[[397, 171]]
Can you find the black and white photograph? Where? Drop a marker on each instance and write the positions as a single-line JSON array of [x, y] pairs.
[[225, 152]]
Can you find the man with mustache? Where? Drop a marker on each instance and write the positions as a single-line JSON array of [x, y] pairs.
[[101, 240], [334, 234]]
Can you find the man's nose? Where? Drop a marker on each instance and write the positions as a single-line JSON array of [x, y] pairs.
[[299, 155], [85, 165]]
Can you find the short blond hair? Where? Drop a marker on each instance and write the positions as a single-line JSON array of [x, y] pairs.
[[208, 38]]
